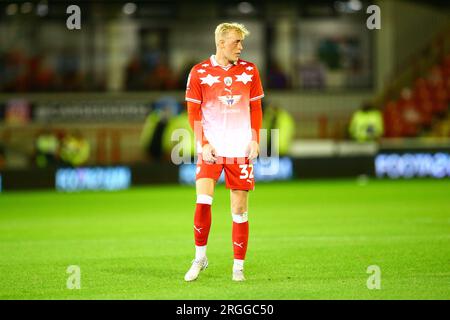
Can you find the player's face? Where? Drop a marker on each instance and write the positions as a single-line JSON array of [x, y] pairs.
[[233, 46]]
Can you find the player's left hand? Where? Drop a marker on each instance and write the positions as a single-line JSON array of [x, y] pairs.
[[253, 150]]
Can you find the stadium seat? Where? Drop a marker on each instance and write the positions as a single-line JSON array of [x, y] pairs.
[[392, 121]]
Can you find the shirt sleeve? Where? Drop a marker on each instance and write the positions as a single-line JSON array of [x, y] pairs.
[[256, 118], [193, 88], [256, 90], [195, 120]]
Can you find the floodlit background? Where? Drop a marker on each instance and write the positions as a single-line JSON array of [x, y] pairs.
[[318, 60], [364, 141]]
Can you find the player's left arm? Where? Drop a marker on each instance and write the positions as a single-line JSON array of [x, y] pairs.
[[256, 94], [256, 123]]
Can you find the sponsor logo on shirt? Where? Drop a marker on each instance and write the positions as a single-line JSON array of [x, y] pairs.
[[230, 100]]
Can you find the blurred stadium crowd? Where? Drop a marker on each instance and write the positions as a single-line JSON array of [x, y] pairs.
[[22, 71], [419, 105]]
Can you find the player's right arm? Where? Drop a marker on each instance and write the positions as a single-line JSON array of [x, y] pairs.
[[195, 120], [194, 99]]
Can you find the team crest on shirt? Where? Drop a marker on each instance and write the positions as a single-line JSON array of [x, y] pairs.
[[228, 81]]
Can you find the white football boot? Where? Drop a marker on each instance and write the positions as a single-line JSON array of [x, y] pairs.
[[196, 267], [238, 275]]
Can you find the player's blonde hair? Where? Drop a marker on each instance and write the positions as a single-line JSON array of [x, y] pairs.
[[223, 28]]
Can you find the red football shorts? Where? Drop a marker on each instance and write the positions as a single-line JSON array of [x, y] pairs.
[[238, 172]]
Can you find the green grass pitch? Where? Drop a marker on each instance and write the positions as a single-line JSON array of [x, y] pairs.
[[308, 240]]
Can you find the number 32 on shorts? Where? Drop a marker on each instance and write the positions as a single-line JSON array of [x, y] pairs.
[[246, 171]]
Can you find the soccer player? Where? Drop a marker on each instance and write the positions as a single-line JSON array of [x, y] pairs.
[[223, 97]]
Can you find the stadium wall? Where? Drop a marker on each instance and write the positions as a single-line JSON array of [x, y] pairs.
[[407, 27], [415, 25]]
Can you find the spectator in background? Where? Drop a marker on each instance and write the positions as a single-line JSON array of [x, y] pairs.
[[75, 149], [180, 121], [155, 125], [366, 124], [275, 117], [47, 149]]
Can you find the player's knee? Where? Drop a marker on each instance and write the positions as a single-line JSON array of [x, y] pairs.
[[239, 209], [239, 205]]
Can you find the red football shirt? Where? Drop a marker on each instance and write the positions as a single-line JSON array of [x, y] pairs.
[[224, 94]]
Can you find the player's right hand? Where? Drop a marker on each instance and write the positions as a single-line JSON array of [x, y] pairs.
[[209, 153]]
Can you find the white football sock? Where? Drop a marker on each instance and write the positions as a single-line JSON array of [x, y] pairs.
[[240, 218], [200, 252], [238, 264]]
